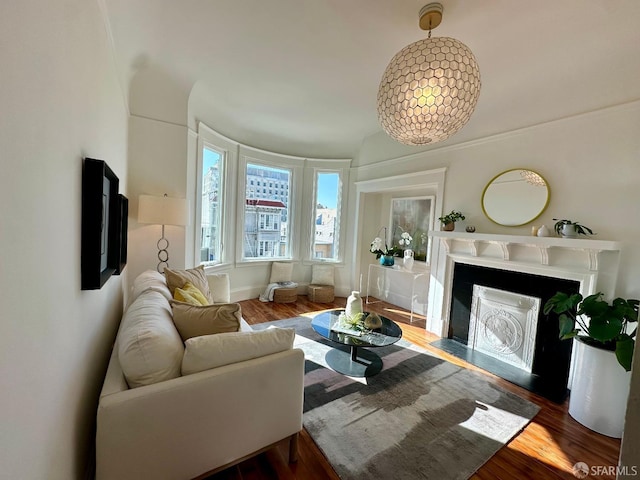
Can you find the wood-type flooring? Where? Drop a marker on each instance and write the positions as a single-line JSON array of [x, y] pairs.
[[547, 448]]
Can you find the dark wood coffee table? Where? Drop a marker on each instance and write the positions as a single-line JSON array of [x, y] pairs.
[[357, 362]]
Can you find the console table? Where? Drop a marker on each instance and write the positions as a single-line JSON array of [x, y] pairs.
[[398, 285]]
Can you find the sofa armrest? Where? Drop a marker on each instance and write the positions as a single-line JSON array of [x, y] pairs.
[[189, 425]]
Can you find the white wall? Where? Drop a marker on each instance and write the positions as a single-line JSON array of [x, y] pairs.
[[158, 149], [59, 101]]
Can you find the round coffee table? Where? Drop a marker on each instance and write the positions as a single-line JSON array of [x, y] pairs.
[[358, 362]]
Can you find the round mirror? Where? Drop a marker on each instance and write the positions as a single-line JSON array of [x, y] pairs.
[[515, 197]]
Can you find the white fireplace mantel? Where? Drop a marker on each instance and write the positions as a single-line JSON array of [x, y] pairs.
[[593, 263], [541, 245]]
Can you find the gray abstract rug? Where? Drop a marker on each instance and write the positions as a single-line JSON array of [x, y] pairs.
[[421, 417]]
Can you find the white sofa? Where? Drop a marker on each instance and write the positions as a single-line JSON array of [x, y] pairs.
[[193, 425]]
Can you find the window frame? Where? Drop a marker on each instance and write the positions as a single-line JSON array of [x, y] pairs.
[[227, 149], [338, 245]]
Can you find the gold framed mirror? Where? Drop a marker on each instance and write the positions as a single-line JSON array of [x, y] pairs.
[[515, 197]]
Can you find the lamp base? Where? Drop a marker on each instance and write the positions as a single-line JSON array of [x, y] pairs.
[[163, 253]]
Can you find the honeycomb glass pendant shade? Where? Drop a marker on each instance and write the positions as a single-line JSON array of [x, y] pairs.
[[430, 88]]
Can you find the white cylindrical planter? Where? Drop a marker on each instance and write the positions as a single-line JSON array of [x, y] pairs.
[[599, 391]]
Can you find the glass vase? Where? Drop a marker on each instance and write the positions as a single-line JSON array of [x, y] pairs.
[[386, 260]]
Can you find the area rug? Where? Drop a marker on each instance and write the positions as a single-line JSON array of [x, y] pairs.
[[421, 417]]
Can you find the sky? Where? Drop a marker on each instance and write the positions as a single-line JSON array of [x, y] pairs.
[[327, 181], [328, 189]]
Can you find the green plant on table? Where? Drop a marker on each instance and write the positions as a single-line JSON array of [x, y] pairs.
[[608, 326]]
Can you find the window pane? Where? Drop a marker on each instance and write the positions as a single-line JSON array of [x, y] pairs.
[[327, 219], [266, 215], [211, 203]]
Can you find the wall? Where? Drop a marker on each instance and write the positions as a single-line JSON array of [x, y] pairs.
[[158, 147], [60, 101]]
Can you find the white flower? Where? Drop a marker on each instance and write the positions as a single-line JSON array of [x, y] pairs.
[[376, 245], [405, 239]]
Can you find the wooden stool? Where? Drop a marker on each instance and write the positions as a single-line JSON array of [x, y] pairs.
[[285, 295], [320, 293]]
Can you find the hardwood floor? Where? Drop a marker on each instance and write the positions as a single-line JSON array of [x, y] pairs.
[[546, 449]]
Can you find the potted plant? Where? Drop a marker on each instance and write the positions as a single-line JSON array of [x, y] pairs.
[[570, 229], [449, 220], [603, 356]]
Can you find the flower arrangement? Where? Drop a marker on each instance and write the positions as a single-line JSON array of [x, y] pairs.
[[378, 244], [380, 247]]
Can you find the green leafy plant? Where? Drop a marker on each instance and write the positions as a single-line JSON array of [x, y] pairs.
[[608, 322], [579, 228], [451, 217]]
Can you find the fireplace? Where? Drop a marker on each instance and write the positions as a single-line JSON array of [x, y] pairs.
[[550, 356], [487, 296]]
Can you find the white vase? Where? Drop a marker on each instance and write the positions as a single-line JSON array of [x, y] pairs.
[[354, 304], [544, 231], [599, 390], [408, 259]]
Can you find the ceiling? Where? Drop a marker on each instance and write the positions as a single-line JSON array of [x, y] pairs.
[[301, 76]]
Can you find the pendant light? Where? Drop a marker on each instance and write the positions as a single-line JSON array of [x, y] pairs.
[[430, 88]]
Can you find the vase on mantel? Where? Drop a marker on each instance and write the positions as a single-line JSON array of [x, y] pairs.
[[386, 260], [544, 231]]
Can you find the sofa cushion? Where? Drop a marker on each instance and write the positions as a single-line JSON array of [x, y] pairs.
[[211, 351], [219, 287], [322, 275], [194, 321], [190, 294], [178, 279], [149, 347], [281, 272], [150, 280]]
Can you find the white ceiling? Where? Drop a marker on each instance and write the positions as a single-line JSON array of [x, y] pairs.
[[301, 76]]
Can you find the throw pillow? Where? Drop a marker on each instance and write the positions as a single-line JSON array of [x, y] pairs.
[[322, 275], [178, 279], [211, 351], [190, 294], [281, 272], [219, 287], [194, 321]]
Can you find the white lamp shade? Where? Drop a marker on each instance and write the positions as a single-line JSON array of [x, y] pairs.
[[163, 210]]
